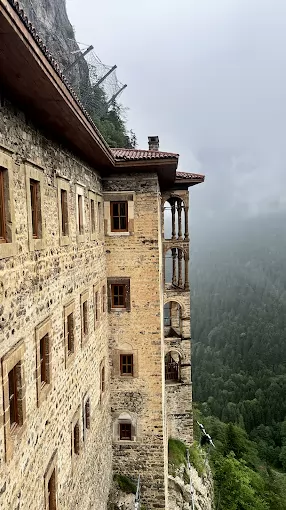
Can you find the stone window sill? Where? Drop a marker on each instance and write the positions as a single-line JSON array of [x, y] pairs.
[[43, 393], [8, 250], [70, 359], [65, 240]]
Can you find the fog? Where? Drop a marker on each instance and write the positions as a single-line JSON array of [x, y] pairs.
[[209, 78]]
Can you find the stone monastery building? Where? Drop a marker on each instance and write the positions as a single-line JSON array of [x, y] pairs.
[[94, 331]]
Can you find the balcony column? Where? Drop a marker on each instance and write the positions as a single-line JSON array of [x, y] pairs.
[[186, 223], [179, 209], [180, 257], [173, 209], [174, 273], [187, 286]]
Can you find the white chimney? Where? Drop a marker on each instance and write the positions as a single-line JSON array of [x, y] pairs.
[[153, 142]]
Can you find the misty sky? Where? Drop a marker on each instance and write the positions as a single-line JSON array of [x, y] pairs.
[[208, 77]]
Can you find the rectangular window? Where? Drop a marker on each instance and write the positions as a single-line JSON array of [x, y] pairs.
[[103, 298], [126, 364], [99, 216], [125, 431], [87, 414], [52, 491], [118, 296], [35, 208], [85, 318], [44, 359], [92, 215], [64, 211], [96, 311], [80, 214], [76, 439], [3, 205], [119, 216], [102, 382], [13, 397], [70, 334]]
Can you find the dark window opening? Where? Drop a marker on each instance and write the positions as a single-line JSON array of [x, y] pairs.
[[70, 334], [126, 364], [103, 298], [92, 215], [119, 216], [80, 213], [85, 318], [125, 431], [44, 349], [52, 491], [13, 397], [64, 209], [118, 296], [96, 314], [35, 208], [3, 204], [76, 439], [87, 414], [102, 379]]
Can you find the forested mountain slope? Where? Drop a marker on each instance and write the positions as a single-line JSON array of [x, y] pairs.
[[238, 279]]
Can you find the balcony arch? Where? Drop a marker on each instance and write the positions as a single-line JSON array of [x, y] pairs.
[[173, 366], [175, 219], [172, 319], [176, 268]]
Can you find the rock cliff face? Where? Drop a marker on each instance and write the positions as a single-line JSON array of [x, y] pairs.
[[52, 24], [180, 491]]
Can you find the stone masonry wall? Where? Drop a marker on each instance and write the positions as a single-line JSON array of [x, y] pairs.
[[34, 286], [138, 256]]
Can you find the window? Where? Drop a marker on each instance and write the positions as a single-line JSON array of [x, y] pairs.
[[43, 357], [87, 415], [92, 215], [125, 433], [126, 364], [119, 216], [103, 298], [118, 296], [35, 208], [96, 308], [64, 212], [85, 318], [70, 336], [80, 214], [13, 396], [102, 379], [99, 216], [50, 481], [76, 443], [52, 491], [3, 206]]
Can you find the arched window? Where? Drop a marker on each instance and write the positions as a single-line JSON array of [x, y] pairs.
[[125, 428], [172, 366], [172, 320]]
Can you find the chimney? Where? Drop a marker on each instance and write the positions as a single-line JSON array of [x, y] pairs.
[[153, 142]]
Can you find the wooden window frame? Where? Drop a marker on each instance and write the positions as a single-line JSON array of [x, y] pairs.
[[64, 213], [69, 309], [124, 363], [102, 380], [96, 308], [84, 314], [103, 298], [80, 213], [119, 216], [64, 236], [36, 228], [127, 426], [8, 247], [119, 295], [51, 474], [35, 208], [43, 330], [111, 283], [76, 441], [14, 359], [86, 417]]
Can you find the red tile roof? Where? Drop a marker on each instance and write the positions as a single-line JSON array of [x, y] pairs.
[[187, 175], [137, 154]]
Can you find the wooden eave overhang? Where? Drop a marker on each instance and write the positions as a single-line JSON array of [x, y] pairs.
[[32, 79], [165, 168]]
